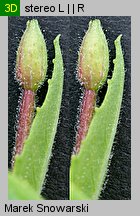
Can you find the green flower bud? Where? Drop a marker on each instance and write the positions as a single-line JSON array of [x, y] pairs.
[[93, 57], [31, 65]]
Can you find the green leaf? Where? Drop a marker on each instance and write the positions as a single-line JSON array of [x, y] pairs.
[[89, 167], [32, 164], [19, 189]]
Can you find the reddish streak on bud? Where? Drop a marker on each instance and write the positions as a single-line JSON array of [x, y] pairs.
[[86, 114], [26, 114]]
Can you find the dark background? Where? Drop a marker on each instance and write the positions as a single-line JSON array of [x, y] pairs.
[[72, 30]]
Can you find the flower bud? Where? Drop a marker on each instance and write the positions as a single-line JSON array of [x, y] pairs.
[[31, 65], [93, 57]]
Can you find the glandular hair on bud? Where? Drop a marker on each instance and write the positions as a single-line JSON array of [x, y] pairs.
[[93, 61], [31, 64]]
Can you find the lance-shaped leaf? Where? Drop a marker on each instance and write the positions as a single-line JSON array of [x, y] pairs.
[[89, 167]]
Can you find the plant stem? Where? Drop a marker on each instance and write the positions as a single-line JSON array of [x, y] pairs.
[[26, 114], [86, 114]]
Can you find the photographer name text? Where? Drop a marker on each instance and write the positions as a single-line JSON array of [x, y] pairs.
[[46, 208]]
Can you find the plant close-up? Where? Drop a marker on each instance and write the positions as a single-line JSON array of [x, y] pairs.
[[70, 82], [89, 166], [43, 129], [31, 70]]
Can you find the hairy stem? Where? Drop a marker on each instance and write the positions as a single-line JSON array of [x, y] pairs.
[[26, 114], [86, 114]]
